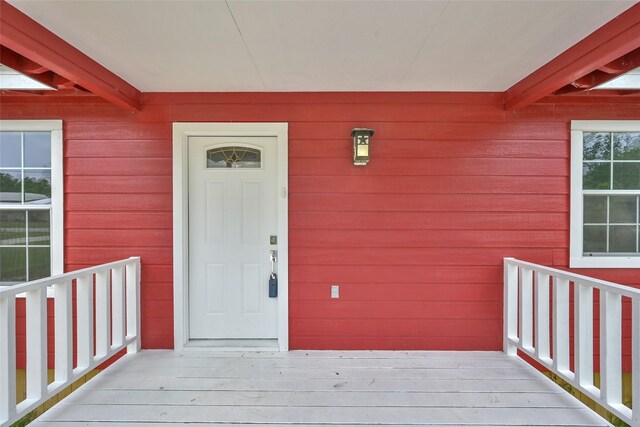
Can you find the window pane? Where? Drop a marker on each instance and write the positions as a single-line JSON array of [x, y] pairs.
[[595, 238], [596, 146], [13, 229], [10, 153], [39, 263], [595, 209], [623, 209], [626, 146], [626, 176], [37, 149], [37, 187], [233, 157], [596, 176], [39, 228], [622, 238], [13, 265], [10, 186]]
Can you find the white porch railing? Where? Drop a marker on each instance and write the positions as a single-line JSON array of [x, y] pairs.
[[116, 321], [529, 312]]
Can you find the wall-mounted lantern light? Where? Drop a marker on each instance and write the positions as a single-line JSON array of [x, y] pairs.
[[361, 139]]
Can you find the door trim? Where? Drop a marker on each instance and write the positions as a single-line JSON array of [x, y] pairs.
[[181, 133]]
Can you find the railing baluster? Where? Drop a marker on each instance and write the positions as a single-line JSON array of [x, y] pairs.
[[133, 305], [118, 306], [583, 333], [63, 325], [85, 320], [560, 324], [7, 358], [610, 347], [542, 316], [526, 308], [610, 330], [103, 313], [635, 360], [510, 307], [36, 315], [122, 315]]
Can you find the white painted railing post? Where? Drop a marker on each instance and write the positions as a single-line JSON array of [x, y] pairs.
[[510, 306], [542, 317], [63, 326], [36, 314], [610, 347], [526, 308], [133, 305], [583, 333], [118, 305], [103, 313], [84, 296], [560, 324], [7, 358]]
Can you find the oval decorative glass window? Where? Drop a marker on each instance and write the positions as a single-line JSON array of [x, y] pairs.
[[234, 157]]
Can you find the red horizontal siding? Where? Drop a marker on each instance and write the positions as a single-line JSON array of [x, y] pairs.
[[390, 184], [429, 221], [385, 202], [440, 167], [425, 239], [415, 239], [435, 149]]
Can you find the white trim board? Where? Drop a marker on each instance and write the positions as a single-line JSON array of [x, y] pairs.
[[181, 134], [576, 257]]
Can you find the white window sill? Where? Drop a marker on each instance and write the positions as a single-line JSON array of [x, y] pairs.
[[605, 262]]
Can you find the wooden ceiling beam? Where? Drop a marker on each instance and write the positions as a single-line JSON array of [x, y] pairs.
[[610, 42], [26, 37]]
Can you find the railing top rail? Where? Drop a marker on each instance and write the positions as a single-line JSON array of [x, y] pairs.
[[626, 291], [9, 291]]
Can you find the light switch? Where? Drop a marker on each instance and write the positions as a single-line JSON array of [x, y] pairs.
[[335, 291]]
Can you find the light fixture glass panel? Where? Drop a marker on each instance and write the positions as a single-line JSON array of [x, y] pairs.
[[596, 146], [37, 149], [596, 176], [10, 186], [626, 146], [234, 157], [10, 150]]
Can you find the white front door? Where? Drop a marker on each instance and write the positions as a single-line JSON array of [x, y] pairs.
[[232, 226]]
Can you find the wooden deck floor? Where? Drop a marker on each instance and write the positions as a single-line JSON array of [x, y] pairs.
[[160, 388]]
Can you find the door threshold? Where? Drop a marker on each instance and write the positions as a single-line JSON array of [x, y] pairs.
[[233, 344]]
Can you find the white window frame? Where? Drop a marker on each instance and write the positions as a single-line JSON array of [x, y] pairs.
[[57, 182], [576, 257]]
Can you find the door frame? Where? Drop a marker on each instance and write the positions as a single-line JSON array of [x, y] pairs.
[[181, 133]]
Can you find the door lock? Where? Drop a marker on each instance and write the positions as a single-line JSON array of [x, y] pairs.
[[273, 278]]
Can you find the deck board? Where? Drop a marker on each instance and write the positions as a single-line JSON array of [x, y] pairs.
[[319, 388]]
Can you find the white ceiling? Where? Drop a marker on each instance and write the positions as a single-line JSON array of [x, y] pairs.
[[175, 46], [12, 80]]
